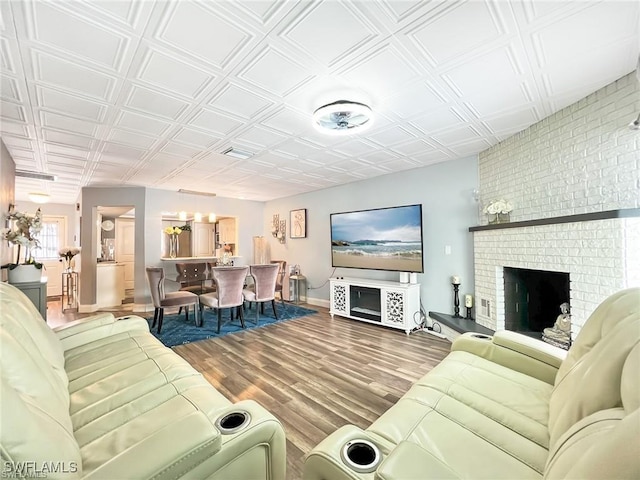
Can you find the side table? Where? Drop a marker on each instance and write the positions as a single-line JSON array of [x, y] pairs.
[[69, 291], [37, 293]]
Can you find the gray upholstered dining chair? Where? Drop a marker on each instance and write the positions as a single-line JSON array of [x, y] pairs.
[[161, 299], [192, 277], [264, 286], [282, 273], [229, 282]]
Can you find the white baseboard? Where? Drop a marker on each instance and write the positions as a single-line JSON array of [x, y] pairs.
[[88, 308], [143, 307], [320, 302]]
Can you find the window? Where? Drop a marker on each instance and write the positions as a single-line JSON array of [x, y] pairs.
[[50, 238]]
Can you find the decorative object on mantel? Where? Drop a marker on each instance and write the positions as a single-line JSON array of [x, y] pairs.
[[498, 211], [173, 233], [560, 334], [455, 281], [21, 230], [468, 304], [66, 255], [279, 228], [275, 225]]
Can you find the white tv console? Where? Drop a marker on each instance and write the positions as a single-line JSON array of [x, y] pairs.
[[392, 304]]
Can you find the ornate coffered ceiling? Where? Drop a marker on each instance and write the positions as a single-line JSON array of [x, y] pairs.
[[150, 92]]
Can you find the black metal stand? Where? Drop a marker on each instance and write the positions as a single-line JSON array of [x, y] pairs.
[[469, 313], [456, 300]]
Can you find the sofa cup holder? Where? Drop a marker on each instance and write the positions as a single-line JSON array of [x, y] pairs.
[[481, 336], [361, 455], [233, 422]]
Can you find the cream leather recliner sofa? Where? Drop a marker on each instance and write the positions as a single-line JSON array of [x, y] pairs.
[[103, 398], [509, 407]]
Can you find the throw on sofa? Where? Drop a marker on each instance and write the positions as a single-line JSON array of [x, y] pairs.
[[103, 398], [507, 407]]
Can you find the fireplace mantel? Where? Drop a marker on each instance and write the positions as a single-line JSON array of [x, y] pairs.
[[582, 217]]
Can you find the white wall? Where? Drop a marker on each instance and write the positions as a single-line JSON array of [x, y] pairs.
[[582, 159], [445, 191], [7, 196], [56, 209]]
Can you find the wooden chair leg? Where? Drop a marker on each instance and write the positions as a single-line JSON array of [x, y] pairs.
[[241, 315], [155, 317], [160, 318], [273, 305], [195, 314], [257, 314], [219, 319]]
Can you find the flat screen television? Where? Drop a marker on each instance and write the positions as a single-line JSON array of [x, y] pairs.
[[378, 239]]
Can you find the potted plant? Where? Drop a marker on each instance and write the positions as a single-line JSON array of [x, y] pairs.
[[66, 255], [22, 232]]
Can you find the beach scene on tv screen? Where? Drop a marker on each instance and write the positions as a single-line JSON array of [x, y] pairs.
[[383, 239]]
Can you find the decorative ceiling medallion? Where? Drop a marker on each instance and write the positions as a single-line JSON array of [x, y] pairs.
[[343, 118]]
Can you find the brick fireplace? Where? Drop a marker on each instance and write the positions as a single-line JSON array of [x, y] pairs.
[[574, 181]]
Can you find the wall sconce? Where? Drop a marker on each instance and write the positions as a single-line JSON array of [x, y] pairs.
[[282, 232], [275, 225], [212, 218], [182, 216], [197, 217]]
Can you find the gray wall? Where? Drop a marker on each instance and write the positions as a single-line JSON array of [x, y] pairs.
[[445, 191]]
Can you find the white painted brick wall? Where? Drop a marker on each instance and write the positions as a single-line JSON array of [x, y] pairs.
[[581, 159]]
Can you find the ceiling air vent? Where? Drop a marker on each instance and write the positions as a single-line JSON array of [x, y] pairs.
[[235, 153], [36, 175]]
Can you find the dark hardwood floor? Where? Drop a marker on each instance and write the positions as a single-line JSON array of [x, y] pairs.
[[314, 373]]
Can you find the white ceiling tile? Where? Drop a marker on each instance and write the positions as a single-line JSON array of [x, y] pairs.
[[16, 129], [69, 124], [328, 31], [473, 146], [239, 101], [69, 76], [6, 56], [454, 136], [467, 26], [297, 148], [155, 103], [430, 158], [214, 122], [71, 104], [69, 140], [413, 147], [382, 72], [438, 119], [197, 30], [9, 89], [66, 151], [288, 121], [130, 138], [126, 11], [182, 150], [122, 151], [414, 100], [262, 137], [355, 147], [78, 36], [391, 136], [509, 121], [142, 123], [17, 142], [11, 111], [275, 72], [193, 137], [173, 75]]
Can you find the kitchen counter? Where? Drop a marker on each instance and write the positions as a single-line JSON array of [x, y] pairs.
[[109, 284]]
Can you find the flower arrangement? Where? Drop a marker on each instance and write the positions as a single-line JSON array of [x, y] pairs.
[[173, 230], [23, 233], [67, 253], [498, 206]]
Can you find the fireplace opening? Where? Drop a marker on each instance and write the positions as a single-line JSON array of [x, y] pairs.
[[532, 299]]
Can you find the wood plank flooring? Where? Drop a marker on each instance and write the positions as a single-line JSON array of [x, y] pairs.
[[314, 373]]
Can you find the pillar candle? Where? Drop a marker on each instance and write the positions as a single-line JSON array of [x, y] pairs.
[[468, 301], [455, 280]]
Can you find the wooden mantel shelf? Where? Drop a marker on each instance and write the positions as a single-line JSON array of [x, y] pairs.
[[582, 217]]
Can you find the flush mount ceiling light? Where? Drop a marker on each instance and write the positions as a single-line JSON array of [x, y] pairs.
[[343, 118], [37, 197]]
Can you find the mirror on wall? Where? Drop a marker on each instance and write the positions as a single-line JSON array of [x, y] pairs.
[[199, 236]]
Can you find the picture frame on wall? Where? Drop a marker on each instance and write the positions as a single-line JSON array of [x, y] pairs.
[[298, 222]]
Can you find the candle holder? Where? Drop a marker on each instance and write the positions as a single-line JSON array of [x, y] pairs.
[[456, 300], [469, 317]]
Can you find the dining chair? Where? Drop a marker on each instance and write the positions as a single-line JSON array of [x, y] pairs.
[[282, 273], [161, 299], [192, 277], [229, 282], [263, 288]]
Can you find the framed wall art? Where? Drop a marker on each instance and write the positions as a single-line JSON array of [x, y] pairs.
[[298, 223]]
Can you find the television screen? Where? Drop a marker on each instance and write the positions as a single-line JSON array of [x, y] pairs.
[[379, 239]]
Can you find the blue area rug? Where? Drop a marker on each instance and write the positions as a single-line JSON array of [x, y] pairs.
[[176, 330]]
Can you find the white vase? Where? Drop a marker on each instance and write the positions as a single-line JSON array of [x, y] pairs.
[[25, 274]]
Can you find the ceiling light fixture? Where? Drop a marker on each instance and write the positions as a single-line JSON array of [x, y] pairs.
[[36, 175], [212, 218], [182, 216], [343, 118], [37, 197], [235, 153], [197, 217]]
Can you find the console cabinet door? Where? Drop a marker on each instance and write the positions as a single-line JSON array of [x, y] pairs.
[[394, 307], [339, 298]]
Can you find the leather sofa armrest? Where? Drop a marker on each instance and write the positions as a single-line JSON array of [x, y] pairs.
[[516, 351], [96, 327], [409, 460]]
